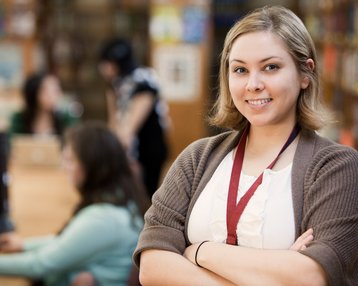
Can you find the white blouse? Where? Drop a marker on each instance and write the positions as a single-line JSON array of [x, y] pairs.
[[267, 221]]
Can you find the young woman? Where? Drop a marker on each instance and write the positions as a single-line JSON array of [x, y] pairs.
[[96, 245], [240, 208], [40, 114], [136, 112]]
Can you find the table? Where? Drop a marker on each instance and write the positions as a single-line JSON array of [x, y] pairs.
[[41, 201]]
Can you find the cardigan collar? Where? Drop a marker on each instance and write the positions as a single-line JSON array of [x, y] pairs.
[[303, 155]]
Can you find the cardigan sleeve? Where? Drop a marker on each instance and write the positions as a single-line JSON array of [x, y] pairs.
[[90, 232], [331, 209], [164, 226], [165, 219]]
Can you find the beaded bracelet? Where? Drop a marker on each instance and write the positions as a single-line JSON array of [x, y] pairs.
[[197, 251]]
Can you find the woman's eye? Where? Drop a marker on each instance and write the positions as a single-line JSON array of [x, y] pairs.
[[240, 70], [271, 67]]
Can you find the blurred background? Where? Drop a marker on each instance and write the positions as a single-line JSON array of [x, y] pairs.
[[181, 40]]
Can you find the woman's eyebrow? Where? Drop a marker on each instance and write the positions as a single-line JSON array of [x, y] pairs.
[[261, 61]]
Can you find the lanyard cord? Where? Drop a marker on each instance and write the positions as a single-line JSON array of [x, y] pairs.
[[234, 211]]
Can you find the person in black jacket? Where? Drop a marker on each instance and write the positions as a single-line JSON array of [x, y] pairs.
[[136, 112], [6, 224]]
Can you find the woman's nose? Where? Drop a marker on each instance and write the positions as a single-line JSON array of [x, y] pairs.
[[254, 83]]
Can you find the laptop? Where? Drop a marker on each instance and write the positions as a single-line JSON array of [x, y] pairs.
[[35, 150]]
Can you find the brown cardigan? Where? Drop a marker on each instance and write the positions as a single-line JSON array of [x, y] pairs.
[[324, 190]]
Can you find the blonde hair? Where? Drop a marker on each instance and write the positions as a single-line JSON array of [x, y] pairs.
[[286, 25]]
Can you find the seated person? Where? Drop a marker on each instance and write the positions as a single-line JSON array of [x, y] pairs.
[[99, 239], [40, 114]]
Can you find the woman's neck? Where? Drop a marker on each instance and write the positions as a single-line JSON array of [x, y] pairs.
[[263, 145], [43, 123], [265, 138]]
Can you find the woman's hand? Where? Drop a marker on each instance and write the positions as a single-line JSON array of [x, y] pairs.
[[11, 242], [303, 240], [300, 244]]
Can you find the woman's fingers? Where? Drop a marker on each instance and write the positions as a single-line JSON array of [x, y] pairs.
[[4, 238], [10, 242], [4, 242], [303, 240]]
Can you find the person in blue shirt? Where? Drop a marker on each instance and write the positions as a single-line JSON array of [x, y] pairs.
[[98, 241]]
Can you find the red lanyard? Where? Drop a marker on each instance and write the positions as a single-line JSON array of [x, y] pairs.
[[234, 211]]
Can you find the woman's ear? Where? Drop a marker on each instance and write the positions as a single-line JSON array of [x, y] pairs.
[[305, 80]]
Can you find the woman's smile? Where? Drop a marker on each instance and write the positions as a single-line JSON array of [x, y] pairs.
[[259, 102]]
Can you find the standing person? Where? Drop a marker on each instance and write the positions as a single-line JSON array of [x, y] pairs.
[[97, 243], [135, 110], [6, 223], [300, 227], [40, 115]]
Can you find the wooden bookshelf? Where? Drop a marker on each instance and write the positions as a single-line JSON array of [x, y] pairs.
[[72, 35], [18, 26], [333, 25], [180, 45]]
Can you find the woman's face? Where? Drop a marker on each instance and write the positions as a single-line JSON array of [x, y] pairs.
[[108, 70], [49, 93], [73, 166], [263, 79]]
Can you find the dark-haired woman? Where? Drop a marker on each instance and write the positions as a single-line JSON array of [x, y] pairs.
[[40, 115], [99, 239], [136, 112]]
